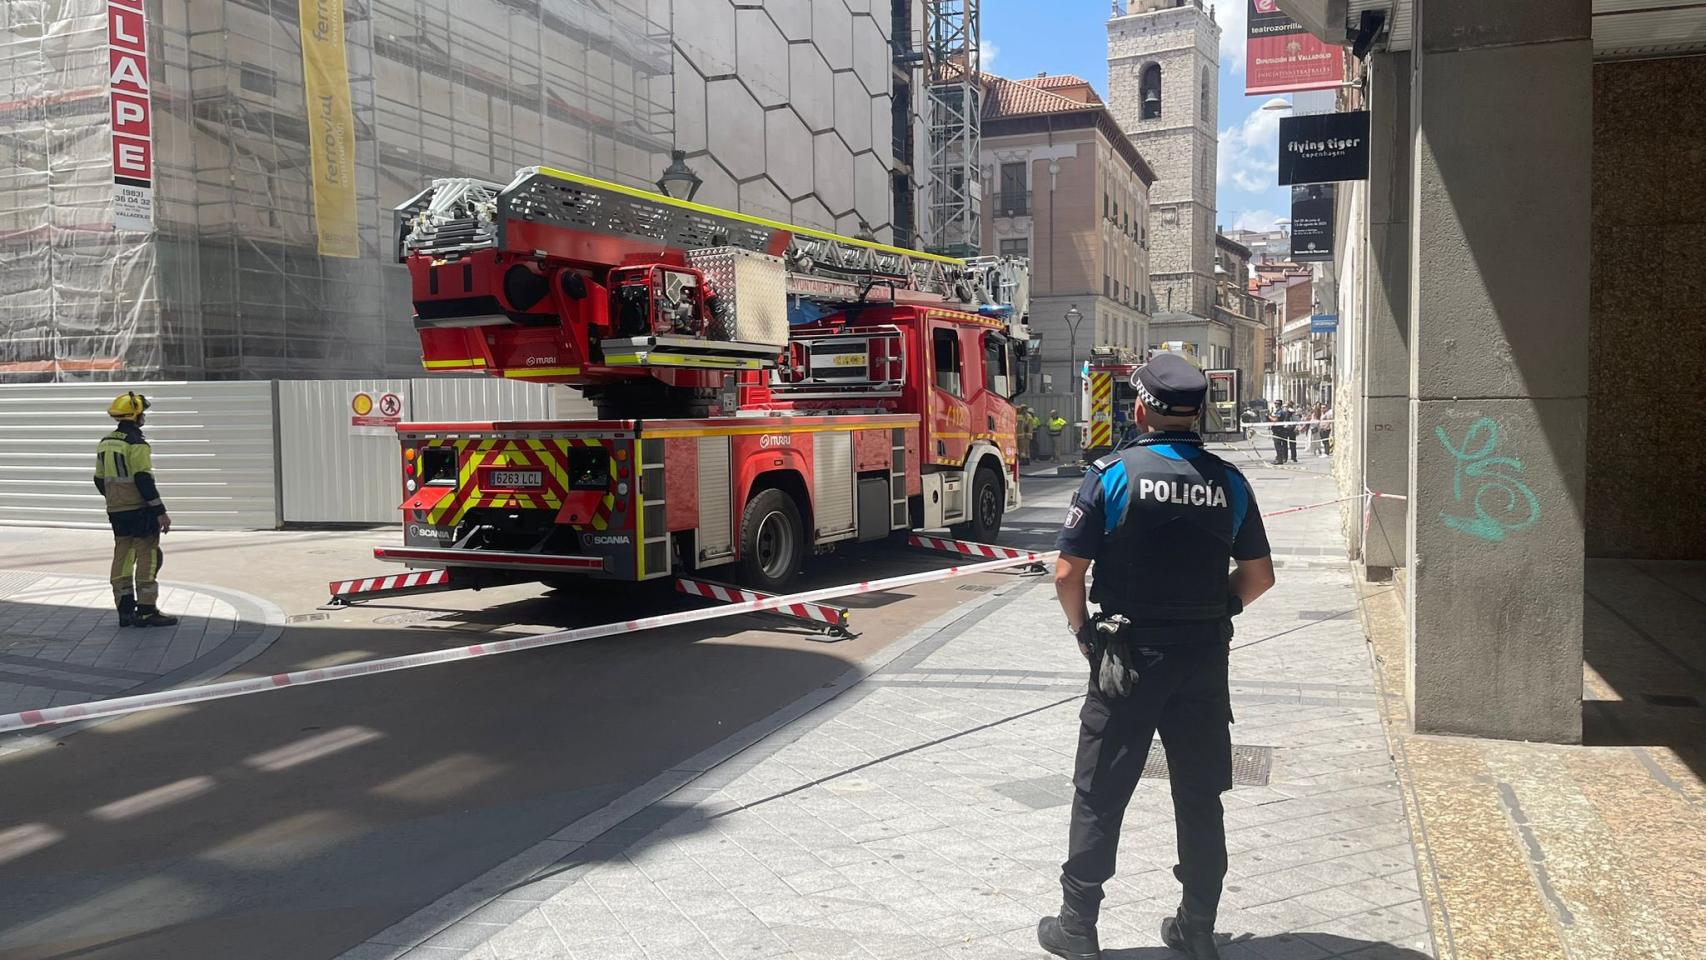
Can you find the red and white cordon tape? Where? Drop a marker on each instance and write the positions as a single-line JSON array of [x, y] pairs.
[[1312, 506], [816, 612], [398, 581], [1368, 508], [967, 547], [118, 706]]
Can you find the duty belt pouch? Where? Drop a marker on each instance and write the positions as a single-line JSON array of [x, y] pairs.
[[1114, 660]]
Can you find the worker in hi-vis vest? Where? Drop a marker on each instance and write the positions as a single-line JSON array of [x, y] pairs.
[[124, 473]]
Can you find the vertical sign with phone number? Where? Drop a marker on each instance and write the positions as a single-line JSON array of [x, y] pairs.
[[132, 115]]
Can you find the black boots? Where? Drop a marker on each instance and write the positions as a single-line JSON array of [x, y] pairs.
[[1194, 939], [148, 615], [126, 610], [1069, 936]]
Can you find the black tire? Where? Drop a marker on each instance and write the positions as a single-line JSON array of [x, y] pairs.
[[772, 542], [987, 504]]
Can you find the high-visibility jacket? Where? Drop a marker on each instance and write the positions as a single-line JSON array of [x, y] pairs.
[[1056, 424], [124, 472]]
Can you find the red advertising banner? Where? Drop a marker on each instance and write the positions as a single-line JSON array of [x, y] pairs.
[[1281, 56], [132, 116]]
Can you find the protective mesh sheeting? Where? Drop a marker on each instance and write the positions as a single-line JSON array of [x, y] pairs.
[[232, 283]]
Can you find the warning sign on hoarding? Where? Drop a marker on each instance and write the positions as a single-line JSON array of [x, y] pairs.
[[375, 415], [132, 116]]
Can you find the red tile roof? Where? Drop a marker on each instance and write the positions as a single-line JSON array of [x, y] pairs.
[[1005, 99]]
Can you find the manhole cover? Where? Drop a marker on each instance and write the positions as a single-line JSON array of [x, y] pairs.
[[411, 616], [1250, 765]]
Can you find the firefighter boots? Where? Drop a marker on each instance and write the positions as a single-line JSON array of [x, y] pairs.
[[126, 610], [148, 615]]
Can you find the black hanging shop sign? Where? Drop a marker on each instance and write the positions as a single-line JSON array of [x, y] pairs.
[[1312, 221], [1323, 147]]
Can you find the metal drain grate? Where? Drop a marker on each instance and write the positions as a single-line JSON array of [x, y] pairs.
[[1250, 765], [976, 587]]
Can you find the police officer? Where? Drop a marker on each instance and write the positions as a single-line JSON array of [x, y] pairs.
[[124, 473], [1163, 520]]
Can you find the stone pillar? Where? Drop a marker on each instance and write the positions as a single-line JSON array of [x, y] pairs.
[[1385, 424], [1502, 104]]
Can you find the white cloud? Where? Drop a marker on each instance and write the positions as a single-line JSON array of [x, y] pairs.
[[1249, 152], [987, 51], [1232, 15], [1259, 219]]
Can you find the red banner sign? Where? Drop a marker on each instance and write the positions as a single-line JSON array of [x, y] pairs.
[[1281, 56], [132, 115]]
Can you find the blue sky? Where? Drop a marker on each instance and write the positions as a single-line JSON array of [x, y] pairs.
[[1021, 37]]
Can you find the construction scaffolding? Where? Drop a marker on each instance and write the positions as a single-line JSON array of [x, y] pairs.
[[268, 257], [956, 122]]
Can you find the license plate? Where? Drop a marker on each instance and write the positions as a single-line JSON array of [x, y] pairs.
[[516, 479]]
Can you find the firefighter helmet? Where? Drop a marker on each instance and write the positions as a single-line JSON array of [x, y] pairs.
[[128, 406]]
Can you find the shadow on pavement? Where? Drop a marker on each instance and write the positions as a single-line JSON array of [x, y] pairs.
[[1284, 945], [296, 824]]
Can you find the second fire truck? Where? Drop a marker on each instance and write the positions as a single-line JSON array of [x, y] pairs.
[[764, 392]]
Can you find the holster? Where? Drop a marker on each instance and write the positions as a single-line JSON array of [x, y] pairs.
[[1112, 658]]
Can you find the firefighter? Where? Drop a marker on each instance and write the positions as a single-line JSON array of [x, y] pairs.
[[1056, 427], [124, 474], [1029, 423], [1162, 520]]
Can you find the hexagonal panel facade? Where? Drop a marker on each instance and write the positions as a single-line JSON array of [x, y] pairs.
[[852, 111], [872, 191], [736, 127], [705, 32], [832, 31], [811, 87], [871, 55], [811, 212], [834, 165], [762, 57], [763, 198], [788, 151], [793, 17]]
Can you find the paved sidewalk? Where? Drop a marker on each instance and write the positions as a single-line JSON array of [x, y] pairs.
[[922, 812], [60, 642]]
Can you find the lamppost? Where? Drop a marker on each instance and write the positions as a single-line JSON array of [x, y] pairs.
[[1073, 318], [678, 181]]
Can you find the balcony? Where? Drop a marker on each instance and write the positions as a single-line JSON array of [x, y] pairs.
[[1012, 203]]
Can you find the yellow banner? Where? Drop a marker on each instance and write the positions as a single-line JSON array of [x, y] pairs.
[[331, 125]]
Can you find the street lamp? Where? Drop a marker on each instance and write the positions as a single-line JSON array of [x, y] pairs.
[[1073, 318], [1277, 103], [679, 181]]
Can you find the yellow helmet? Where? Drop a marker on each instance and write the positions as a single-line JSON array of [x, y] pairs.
[[128, 406]]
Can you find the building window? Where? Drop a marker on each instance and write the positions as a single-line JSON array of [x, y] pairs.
[[945, 344], [257, 79], [1206, 113], [1012, 201], [1149, 92], [1107, 285], [1016, 247]]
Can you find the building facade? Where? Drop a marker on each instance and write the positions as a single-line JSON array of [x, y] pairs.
[[270, 250], [1241, 312], [1164, 89], [1072, 195]]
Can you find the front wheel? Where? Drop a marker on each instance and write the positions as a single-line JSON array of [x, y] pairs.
[[987, 504], [772, 542]]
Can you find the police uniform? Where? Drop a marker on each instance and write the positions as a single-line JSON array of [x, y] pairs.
[[1161, 519], [124, 474]]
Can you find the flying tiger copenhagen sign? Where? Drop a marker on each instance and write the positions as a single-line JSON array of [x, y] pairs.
[[132, 114]]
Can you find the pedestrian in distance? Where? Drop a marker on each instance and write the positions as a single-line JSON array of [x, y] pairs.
[[1276, 419], [1162, 521], [1056, 434], [124, 474], [1292, 414], [1325, 428]]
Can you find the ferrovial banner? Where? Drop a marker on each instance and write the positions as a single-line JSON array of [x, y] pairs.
[[1312, 222], [331, 126], [1281, 56], [132, 114]]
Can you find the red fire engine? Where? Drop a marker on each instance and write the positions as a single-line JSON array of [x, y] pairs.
[[763, 391]]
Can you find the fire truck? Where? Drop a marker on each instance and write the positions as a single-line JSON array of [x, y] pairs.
[[763, 392], [1107, 396]]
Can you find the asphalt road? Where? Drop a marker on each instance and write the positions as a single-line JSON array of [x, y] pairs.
[[295, 824]]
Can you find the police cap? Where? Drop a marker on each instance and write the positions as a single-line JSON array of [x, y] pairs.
[[1170, 385]]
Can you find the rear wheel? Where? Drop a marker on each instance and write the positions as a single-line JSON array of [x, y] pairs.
[[986, 506], [772, 540]]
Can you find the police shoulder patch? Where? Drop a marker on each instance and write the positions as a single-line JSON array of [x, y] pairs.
[[1074, 515]]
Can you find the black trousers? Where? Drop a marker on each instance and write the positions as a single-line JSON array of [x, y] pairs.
[[1280, 447], [1184, 696]]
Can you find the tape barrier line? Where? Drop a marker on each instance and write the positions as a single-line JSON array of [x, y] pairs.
[[816, 612], [118, 706], [966, 547], [1312, 506]]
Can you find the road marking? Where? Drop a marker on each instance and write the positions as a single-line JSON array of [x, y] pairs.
[[150, 800], [312, 748]]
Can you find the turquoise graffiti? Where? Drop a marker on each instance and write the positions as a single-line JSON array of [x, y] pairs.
[[1503, 504]]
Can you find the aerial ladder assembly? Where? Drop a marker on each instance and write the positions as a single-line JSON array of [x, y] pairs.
[[763, 391]]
